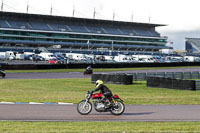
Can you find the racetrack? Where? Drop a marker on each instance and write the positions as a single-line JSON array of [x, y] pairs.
[[25, 112]]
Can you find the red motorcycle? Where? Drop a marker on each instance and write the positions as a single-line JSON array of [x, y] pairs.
[[114, 104]]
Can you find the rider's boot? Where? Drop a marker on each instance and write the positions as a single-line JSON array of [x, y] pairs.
[[107, 103]]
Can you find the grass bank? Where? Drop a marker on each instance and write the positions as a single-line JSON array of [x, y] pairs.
[[54, 127], [73, 90]]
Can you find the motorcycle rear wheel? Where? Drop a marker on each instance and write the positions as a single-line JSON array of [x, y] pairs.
[[84, 108], [118, 109]]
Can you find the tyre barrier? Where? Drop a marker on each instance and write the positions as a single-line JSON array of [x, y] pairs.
[[113, 78], [160, 82]]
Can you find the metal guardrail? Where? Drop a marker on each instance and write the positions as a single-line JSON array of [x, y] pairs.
[[173, 75]]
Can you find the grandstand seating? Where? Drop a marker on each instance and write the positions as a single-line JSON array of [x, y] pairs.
[[39, 26], [68, 27], [111, 30], [95, 29], [77, 28], [46, 31], [3, 24]]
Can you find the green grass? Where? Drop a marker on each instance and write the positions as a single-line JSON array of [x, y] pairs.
[[73, 90], [97, 69], [53, 127]]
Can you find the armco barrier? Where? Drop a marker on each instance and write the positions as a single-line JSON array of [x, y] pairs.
[[178, 75], [141, 76], [197, 85], [113, 78], [173, 75], [160, 74], [169, 75], [195, 75], [151, 74], [160, 82], [187, 75]]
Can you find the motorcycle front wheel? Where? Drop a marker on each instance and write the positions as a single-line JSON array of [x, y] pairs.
[[118, 108], [84, 107]]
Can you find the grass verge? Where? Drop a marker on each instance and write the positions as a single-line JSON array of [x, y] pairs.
[[73, 90], [44, 127]]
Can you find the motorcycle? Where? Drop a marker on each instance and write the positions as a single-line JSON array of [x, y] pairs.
[[114, 104], [2, 73], [87, 72]]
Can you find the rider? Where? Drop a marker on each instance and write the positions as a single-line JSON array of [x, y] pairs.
[[89, 69], [104, 89]]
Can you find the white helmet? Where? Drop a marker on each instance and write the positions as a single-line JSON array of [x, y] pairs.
[[99, 82]]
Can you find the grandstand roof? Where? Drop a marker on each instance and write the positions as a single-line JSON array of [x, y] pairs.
[[194, 41], [27, 16]]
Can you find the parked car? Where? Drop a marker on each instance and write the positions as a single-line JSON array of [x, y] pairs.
[[38, 58], [54, 61], [62, 59]]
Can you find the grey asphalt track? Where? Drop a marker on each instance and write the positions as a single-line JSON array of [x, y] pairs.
[[20, 112], [80, 74]]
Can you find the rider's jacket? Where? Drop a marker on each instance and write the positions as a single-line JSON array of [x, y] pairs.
[[103, 89]]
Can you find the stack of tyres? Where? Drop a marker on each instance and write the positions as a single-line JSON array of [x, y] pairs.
[[124, 79], [159, 82], [153, 82], [113, 78], [95, 77]]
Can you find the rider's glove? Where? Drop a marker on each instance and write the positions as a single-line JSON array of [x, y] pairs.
[[92, 91]]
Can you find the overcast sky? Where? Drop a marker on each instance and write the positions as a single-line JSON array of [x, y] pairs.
[[180, 16]]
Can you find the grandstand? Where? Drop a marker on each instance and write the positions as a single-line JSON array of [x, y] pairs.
[[28, 32], [192, 45]]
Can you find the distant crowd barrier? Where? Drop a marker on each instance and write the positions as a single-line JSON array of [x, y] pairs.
[[113, 78], [38, 65], [160, 82], [173, 75]]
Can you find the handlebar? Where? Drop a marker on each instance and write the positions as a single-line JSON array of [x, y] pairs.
[[90, 92]]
